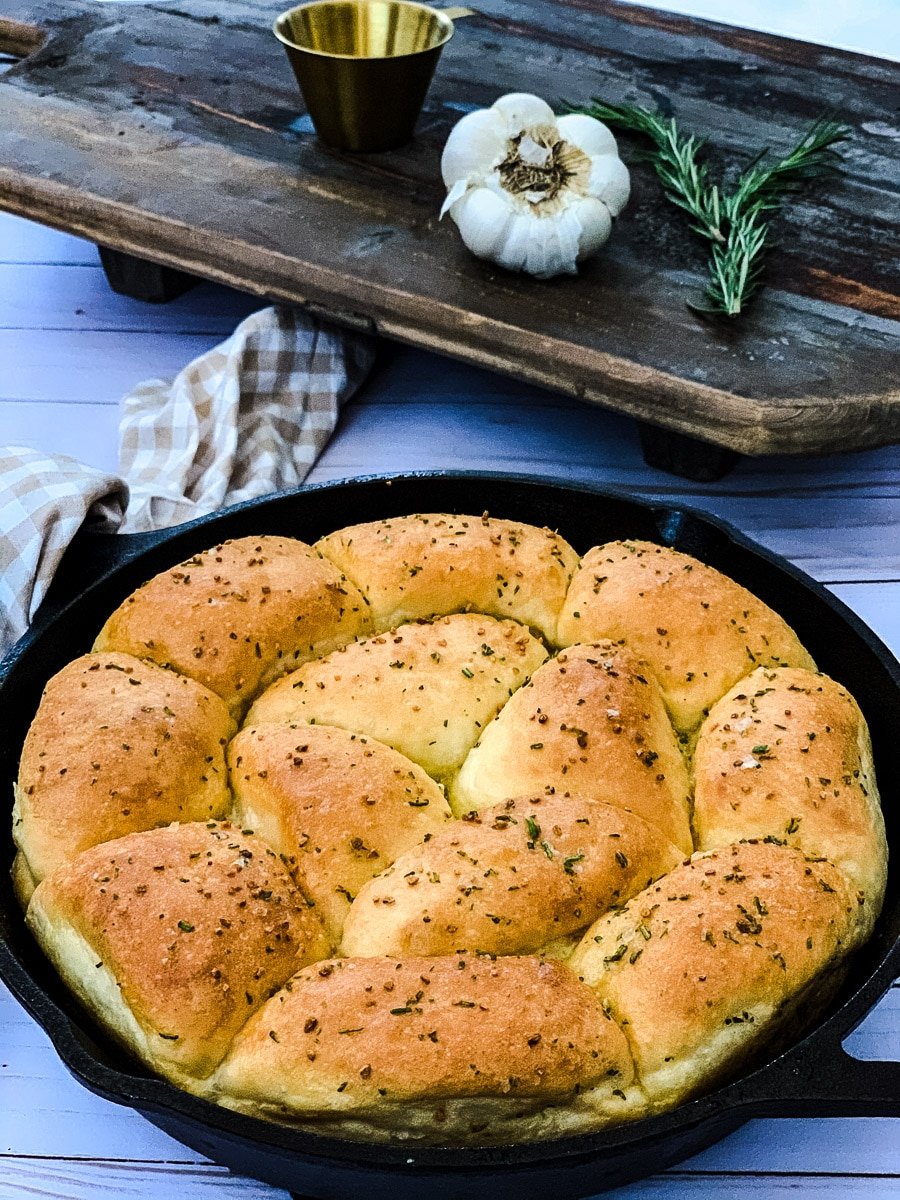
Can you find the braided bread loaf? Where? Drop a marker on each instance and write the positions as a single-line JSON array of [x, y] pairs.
[[510, 844]]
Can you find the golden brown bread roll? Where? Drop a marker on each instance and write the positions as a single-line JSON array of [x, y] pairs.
[[699, 630], [509, 880], [173, 937], [340, 807], [238, 615], [431, 564], [431, 1046], [592, 723], [786, 754], [427, 689], [117, 745], [203, 947], [706, 962]]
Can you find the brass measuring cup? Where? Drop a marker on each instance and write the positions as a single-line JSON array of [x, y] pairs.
[[364, 66]]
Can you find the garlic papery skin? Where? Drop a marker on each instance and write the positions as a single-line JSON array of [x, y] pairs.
[[529, 190]]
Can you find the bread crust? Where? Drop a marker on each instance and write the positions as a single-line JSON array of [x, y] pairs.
[[591, 722], [787, 754], [508, 880], [117, 745], [239, 615], [699, 630], [373, 1038], [702, 966], [430, 564], [197, 925], [338, 806], [426, 689]]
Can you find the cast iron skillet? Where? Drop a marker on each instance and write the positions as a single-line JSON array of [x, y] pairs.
[[815, 1077]]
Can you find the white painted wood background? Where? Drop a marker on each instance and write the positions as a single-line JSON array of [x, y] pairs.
[[69, 349]]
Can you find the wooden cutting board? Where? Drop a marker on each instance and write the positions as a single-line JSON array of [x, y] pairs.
[[174, 131]]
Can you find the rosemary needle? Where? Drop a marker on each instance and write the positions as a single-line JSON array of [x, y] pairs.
[[734, 222]]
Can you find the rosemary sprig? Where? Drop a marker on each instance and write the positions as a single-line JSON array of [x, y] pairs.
[[814, 155], [676, 162], [734, 222], [735, 265]]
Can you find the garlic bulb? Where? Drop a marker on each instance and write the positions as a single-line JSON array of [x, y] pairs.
[[531, 191]]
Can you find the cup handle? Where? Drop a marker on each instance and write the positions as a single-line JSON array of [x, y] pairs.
[[457, 12]]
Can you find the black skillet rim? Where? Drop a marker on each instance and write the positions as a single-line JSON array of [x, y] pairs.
[[780, 1086]]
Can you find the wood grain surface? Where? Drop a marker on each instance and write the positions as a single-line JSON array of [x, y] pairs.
[[174, 131]]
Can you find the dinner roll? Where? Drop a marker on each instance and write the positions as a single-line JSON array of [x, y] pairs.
[[453, 902], [338, 806], [699, 630], [237, 616], [173, 937], [508, 880], [786, 754], [430, 1046], [706, 963], [591, 723], [432, 564], [117, 745], [427, 689]]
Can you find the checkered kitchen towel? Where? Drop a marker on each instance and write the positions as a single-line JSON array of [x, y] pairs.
[[247, 418]]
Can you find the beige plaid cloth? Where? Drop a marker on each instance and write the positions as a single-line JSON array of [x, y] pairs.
[[44, 501], [247, 418]]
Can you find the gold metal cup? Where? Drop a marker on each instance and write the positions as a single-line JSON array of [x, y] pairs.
[[364, 66]]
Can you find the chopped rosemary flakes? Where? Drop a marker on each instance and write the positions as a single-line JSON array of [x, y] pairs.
[[569, 863]]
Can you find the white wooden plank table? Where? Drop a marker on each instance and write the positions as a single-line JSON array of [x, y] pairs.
[[69, 348]]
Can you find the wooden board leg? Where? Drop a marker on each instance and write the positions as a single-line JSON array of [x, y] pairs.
[[142, 280], [685, 456]]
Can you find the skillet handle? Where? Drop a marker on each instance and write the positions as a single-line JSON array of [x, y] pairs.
[[88, 557], [820, 1079]]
